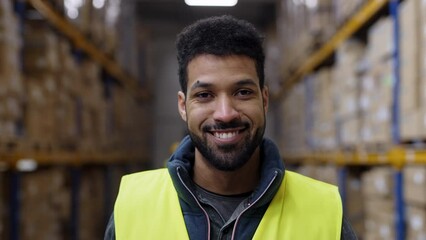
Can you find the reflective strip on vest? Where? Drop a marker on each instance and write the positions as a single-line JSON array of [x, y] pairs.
[[147, 207]]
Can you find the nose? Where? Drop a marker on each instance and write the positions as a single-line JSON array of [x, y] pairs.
[[225, 109]]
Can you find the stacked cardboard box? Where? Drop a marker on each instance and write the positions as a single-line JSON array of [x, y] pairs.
[[92, 197], [354, 207], [321, 19], [41, 66], [323, 132], [415, 199], [11, 90], [69, 102], [377, 85], [303, 26], [125, 132], [346, 92], [412, 62], [294, 120], [96, 19], [68, 94], [324, 173], [344, 9], [45, 204], [377, 189], [93, 107]]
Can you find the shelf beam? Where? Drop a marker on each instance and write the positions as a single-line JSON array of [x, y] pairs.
[[81, 42], [353, 25], [397, 157], [10, 160]]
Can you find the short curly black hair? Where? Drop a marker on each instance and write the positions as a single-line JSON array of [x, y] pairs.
[[220, 36]]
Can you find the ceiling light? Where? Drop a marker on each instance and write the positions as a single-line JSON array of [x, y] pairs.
[[212, 3]]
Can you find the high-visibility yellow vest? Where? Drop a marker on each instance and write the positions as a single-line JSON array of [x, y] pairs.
[[147, 207]]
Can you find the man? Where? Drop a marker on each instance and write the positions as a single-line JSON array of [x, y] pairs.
[[225, 181]]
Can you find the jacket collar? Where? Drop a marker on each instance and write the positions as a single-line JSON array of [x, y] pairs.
[[180, 166]]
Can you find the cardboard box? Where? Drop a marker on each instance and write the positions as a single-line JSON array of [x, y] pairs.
[[378, 182], [379, 218], [416, 222], [354, 206], [414, 184], [380, 40], [411, 125], [45, 204], [92, 204]]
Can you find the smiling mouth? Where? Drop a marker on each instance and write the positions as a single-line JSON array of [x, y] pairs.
[[225, 135], [227, 132]]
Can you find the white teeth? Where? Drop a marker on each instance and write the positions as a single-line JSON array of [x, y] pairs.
[[225, 135]]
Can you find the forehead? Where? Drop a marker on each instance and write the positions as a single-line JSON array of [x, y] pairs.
[[221, 69]]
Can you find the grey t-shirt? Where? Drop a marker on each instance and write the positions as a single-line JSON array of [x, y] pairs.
[[222, 210]]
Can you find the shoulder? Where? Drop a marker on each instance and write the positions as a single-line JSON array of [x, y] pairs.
[[145, 181], [145, 175], [295, 182]]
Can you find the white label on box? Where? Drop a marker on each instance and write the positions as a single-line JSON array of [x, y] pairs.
[[384, 231], [416, 222], [380, 185], [365, 103], [419, 178]]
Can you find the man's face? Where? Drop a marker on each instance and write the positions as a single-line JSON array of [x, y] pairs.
[[224, 109]]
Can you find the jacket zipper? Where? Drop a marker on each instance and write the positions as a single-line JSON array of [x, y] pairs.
[[196, 200], [251, 204]]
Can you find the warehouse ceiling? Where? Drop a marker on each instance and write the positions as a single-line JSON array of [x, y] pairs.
[[259, 12]]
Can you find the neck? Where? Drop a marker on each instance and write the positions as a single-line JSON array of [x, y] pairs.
[[242, 180]]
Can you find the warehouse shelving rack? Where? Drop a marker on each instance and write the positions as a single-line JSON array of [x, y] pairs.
[[81, 42], [314, 60], [398, 155], [74, 161]]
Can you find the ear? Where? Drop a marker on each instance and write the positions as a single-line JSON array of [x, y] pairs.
[[181, 105], [265, 96]]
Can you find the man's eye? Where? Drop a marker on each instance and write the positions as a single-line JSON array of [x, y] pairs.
[[244, 92], [203, 95]]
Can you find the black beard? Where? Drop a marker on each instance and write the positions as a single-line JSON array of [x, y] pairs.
[[228, 157]]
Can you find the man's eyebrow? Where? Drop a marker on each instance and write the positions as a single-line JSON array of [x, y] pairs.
[[246, 82], [199, 84]]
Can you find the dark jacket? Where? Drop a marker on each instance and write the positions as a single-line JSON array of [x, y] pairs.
[[250, 212]]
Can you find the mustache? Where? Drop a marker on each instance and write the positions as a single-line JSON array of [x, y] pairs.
[[225, 125]]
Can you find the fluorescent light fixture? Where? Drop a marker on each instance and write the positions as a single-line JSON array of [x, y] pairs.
[[212, 3]]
